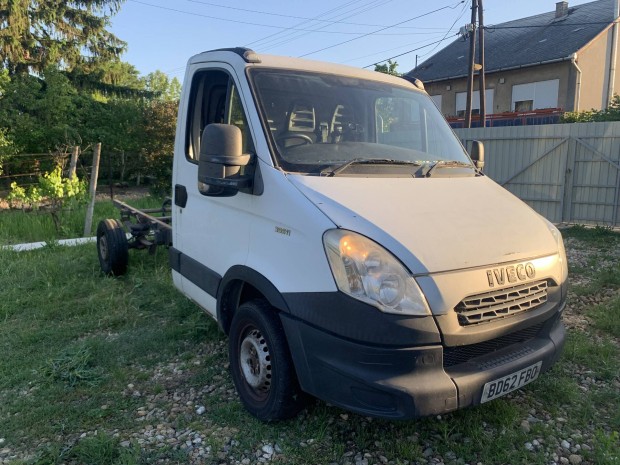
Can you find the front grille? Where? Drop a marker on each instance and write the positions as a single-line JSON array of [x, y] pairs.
[[485, 307], [461, 354]]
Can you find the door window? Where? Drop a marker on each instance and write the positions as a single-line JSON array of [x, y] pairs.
[[214, 98]]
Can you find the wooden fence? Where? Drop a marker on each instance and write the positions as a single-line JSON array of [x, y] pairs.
[[569, 173], [116, 167]]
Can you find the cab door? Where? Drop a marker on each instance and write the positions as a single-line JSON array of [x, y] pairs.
[[210, 234]]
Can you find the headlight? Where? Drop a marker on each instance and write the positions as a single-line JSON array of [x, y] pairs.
[[557, 235], [366, 271]]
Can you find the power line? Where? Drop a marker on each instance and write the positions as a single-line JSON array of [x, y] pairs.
[[290, 33], [226, 19], [281, 15], [349, 14], [382, 29], [436, 43], [405, 53], [451, 27], [400, 47], [249, 22]]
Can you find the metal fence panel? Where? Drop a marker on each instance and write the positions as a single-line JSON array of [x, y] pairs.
[[566, 172]]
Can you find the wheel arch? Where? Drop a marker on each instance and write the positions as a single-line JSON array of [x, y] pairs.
[[240, 284]]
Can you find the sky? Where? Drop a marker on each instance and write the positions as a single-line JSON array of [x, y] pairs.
[[163, 34]]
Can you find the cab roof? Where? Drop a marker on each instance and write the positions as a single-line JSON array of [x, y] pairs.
[[250, 59]]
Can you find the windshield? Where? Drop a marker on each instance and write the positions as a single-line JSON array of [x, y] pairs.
[[318, 121]]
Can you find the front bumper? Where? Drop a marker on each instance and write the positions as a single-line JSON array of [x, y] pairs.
[[376, 378]]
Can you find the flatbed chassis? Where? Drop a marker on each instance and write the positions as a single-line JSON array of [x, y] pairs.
[[137, 229], [149, 227]]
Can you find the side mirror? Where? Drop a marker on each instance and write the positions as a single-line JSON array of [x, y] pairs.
[[220, 161], [477, 154]]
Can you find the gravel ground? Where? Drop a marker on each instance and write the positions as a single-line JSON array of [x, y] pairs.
[[204, 440]]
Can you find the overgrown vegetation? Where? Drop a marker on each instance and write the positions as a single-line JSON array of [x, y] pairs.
[[63, 84], [90, 363], [50, 113], [38, 225], [53, 192], [611, 113]]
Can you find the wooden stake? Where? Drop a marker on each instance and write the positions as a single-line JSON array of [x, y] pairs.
[[73, 163], [94, 174]]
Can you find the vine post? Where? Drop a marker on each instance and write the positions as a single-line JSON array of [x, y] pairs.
[[94, 174], [73, 162]]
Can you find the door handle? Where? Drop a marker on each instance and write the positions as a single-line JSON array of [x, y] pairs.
[[180, 195]]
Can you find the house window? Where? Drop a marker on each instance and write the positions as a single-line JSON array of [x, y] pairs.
[[524, 105], [540, 94], [436, 100], [474, 112], [461, 102]]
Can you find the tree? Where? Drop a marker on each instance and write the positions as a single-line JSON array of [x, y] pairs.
[[108, 78], [388, 68], [162, 87], [158, 143], [37, 33], [38, 113]]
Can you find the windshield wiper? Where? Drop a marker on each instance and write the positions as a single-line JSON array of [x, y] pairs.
[[368, 161], [442, 163]]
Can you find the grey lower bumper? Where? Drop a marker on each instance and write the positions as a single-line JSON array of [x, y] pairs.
[[407, 382]]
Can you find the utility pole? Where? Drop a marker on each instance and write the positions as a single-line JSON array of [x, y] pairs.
[[481, 78], [472, 55], [613, 55]]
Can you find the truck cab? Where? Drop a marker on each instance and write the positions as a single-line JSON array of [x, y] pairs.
[[332, 223]]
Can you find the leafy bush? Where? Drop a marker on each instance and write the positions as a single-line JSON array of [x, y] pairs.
[[611, 113], [52, 191]]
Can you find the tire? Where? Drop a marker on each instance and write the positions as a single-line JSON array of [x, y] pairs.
[[112, 247], [261, 365]]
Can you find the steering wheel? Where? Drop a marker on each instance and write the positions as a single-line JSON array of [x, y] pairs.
[[303, 137]]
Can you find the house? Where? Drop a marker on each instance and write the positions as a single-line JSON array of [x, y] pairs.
[[557, 60]]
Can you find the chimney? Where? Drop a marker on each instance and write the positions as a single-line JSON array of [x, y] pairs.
[[561, 9]]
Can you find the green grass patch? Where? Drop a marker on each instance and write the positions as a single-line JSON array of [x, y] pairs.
[[73, 340], [606, 317], [74, 365], [17, 226], [556, 389], [601, 355], [598, 235], [607, 449]]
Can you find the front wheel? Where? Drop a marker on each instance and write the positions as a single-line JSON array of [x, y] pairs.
[[112, 247], [261, 365]]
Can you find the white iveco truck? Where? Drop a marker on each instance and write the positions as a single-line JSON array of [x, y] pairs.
[[331, 222]]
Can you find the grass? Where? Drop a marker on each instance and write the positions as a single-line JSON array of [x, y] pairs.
[[34, 226], [73, 341]]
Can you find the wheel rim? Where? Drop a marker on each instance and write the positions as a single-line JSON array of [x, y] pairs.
[[103, 247], [255, 362]]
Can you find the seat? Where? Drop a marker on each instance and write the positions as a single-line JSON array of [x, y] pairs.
[[300, 126], [344, 125]]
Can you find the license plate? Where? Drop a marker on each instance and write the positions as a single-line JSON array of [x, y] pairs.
[[499, 387]]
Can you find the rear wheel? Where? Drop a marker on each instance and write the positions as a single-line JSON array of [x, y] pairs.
[[112, 247], [261, 365]]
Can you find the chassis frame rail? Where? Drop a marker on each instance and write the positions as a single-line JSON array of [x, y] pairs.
[[147, 230]]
